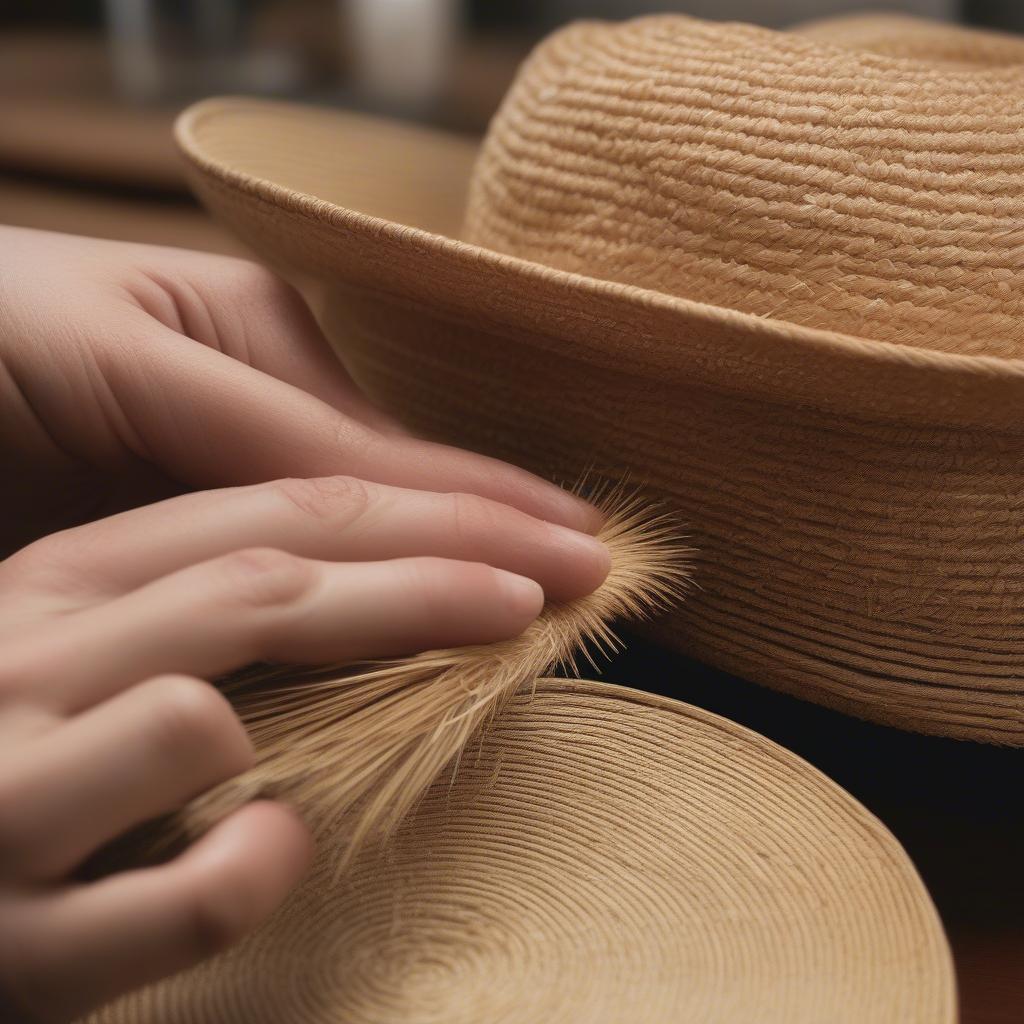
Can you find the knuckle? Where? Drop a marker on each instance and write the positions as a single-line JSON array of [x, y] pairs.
[[266, 577], [472, 516], [189, 717], [335, 500], [427, 573]]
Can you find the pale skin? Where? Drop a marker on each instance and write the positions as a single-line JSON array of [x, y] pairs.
[[199, 485]]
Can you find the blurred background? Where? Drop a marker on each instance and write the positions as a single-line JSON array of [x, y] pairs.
[[88, 92], [89, 88]]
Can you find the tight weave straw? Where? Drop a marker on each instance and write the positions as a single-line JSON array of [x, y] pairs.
[[762, 172], [597, 855], [775, 277]]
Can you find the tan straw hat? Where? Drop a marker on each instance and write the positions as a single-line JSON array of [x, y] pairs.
[[776, 277], [604, 856]]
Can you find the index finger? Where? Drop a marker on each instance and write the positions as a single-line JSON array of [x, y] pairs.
[[209, 421]]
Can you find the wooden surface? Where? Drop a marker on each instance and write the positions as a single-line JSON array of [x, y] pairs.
[[59, 116], [63, 82], [105, 213]]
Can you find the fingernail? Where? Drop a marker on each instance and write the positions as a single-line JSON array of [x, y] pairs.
[[525, 596]]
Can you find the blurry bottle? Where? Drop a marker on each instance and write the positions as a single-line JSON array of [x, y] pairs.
[[401, 50]]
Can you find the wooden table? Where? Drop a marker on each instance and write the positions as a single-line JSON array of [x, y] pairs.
[[58, 116], [103, 213]]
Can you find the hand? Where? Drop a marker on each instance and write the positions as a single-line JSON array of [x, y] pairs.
[[130, 373], [108, 633]]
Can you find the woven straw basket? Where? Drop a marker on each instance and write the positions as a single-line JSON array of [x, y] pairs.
[[603, 857], [776, 277]]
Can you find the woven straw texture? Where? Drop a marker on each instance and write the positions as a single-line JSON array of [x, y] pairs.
[[773, 278], [758, 171], [603, 856]]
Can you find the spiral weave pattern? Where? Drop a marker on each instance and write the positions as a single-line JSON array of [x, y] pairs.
[[603, 856]]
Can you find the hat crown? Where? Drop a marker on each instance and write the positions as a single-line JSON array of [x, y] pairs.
[[871, 188]]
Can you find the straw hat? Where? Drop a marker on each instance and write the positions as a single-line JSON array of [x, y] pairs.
[[605, 856], [777, 277]]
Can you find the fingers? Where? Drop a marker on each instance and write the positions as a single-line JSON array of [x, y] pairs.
[[210, 421], [250, 314], [265, 605], [71, 949], [409, 462], [333, 518], [143, 753]]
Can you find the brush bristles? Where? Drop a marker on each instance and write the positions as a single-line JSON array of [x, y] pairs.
[[356, 750]]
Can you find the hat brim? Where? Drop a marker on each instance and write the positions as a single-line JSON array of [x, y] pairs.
[[859, 541], [377, 205], [601, 855]]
